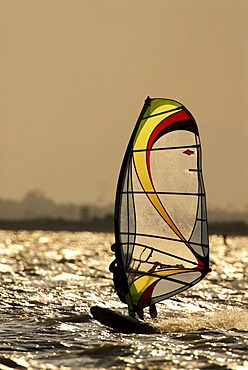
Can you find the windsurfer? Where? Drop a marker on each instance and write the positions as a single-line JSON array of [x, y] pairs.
[[116, 270], [120, 283], [118, 274]]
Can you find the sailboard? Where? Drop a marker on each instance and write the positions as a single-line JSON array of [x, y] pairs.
[[161, 230], [121, 323]]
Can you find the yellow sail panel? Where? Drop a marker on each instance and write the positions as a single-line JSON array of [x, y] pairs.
[[159, 111], [139, 286]]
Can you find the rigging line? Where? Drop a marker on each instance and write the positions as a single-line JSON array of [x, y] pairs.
[[161, 266], [198, 201], [200, 189], [127, 200], [129, 252], [166, 111], [149, 256], [195, 170], [140, 261], [202, 200], [146, 273], [144, 261], [166, 238], [167, 148], [162, 192], [165, 253]]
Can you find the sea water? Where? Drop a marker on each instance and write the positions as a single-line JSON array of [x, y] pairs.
[[49, 281]]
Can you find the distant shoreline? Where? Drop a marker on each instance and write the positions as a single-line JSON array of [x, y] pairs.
[[106, 225], [96, 225]]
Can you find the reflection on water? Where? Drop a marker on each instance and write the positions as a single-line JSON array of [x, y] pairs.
[[49, 281]]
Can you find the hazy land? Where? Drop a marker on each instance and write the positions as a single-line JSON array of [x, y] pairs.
[[37, 212]]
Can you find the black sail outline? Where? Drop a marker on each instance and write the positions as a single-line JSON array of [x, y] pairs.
[[197, 272]]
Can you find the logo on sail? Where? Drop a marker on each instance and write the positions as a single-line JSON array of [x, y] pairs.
[[189, 152]]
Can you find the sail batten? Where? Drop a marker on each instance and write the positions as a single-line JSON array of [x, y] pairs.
[[169, 148], [160, 113], [160, 211], [162, 192], [164, 238], [165, 253]]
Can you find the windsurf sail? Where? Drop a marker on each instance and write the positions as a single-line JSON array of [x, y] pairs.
[[161, 228]]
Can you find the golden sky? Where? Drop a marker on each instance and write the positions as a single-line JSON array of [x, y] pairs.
[[75, 73]]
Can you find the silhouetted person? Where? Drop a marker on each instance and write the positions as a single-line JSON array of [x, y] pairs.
[[224, 239], [120, 283], [117, 272]]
